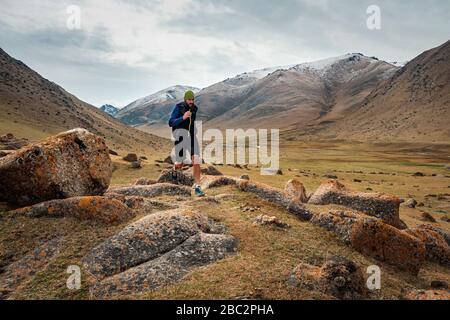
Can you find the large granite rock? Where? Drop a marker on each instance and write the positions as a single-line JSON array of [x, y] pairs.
[[73, 163]]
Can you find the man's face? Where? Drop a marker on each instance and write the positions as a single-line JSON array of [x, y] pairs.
[[190, 102]]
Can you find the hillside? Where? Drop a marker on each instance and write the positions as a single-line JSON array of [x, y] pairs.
[[413, 105], [33, 107]]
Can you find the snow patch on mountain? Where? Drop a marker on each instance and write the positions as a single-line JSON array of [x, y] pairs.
[[168, 94], [109, 109]]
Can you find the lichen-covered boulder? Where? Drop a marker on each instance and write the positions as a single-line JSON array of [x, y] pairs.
[[198, 250], [152, 191], [376, 239], [295, 190], [338, 277], [276, 196], [379, 205], [436, 247], [98, 208], [70, 164]]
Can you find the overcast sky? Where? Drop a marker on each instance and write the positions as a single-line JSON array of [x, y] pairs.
[[128, 49]]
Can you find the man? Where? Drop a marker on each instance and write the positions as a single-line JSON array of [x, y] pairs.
[[182, 122]]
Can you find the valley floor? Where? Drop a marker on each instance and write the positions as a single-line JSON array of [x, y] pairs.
[[266, 255]]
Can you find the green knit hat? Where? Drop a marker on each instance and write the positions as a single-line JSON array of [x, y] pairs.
[[189, 95]]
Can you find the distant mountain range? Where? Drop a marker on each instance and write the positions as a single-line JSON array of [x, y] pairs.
[[353, 97]]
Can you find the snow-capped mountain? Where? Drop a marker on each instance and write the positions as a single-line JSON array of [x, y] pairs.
[[153, 108], [296, 95], [275, 97], [109, 109], [168, 94]]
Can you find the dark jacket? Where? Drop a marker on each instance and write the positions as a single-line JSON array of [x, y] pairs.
[[176, 119]]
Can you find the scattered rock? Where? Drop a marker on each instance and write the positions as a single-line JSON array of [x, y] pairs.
[[113, 153], [73, 163], [418, 174], [102, 209], [330, 176], [168, 160], [136, 164], [428, 295], [357, 180], [445, 219], [144, 182], [279, 172], [212, 171], [143, 158], [245, 177], [427, 217], [411, 203], [267, 220], [380, 205], [338, 277], [296, 191], [131, 157], [438, 284], [152, 191]]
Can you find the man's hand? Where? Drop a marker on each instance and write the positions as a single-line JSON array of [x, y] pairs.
[[187, 115]]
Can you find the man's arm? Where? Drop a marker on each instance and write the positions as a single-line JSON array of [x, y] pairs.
[[176, 118]]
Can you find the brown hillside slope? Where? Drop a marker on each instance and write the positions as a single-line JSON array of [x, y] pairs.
[[413, 105], [33, 107]]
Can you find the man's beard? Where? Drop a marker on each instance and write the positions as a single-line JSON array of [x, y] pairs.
[[190, 105]]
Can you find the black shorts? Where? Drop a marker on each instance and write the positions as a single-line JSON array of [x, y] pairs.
[[183, 152]]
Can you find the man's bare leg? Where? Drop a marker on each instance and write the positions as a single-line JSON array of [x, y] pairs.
[[197, 170], [196, 160]]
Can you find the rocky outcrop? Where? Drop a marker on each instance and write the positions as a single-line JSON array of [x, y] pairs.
[[152, 191], [276, 196], [338, 277], [198, 250], [296, 191], [437, 247], [182, 177], [155, 251], [102, 209], [374, 238], [268, 220], [73, 163], [209, 182], [379, 205]]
